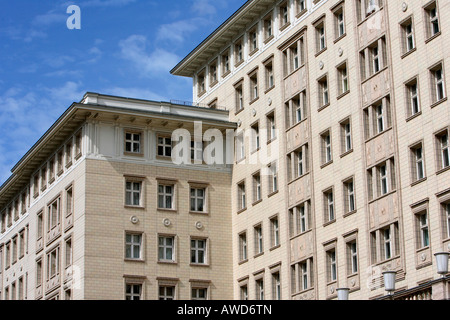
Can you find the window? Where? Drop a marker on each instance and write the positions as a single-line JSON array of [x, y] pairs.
[[53, 215], [276, 286], [133, 193], [40, 225], [297, 163], [68, 252], [253, 39], [69, 201], [381, 179], [243, 247], [273, 178], [242, 199], [331, 266], [275, 232], [417, 162], [166, 196], [294, 56], [53, 263], [197, 152], [198, 199], [320, 37], [375, 57], [412, 97], [432, 20], [259, 244], [377, 118], [78, 142], [254, 93], [43, 178], [423, 239], [302, 275], [446, 208], [199, 293], [386, 240], [238, 51], [21, 243], [284, 14], [133, 292], [133, 246], [166, 248], [296, 109], [339, 22], [164, 146], [301, 6], [198, 251], [366, 8], [443, 151], [299, 219], [271, 127], [239, 96], [352, 257], [324, 99], [268, 27], [166, 292], [380, 118], [346, 136], [244, 292], [326, 148], [213, 78], [59, 165], [438, 83], [349, 196], [201, 83], [257, 195], [226, 69], [7, 255], [407, 35], [39, 270], [329, 213], [259, 289], [343, 85], [133, 142], [69, 148], [256, 139], [240, 147], [14, 249], [270, 78]]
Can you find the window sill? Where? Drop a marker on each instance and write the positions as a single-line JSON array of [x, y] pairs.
[[133, 154], [320, 52], [433, 37], [258, 255], [268, 39], [201, 93], [204, 265], [323, 107], [283, 27], [378, 134], [382, 196], [339, 38], [69, 164], [238, 111], [418, 181], [133, 260], [256, 202], [297, 178], [241, 210], [271, 140], [326, 164], [275, 247], [253, 101], [203, 213], [346, 153], [415, 115], [438, 102], [165, 158], [349, 213], [442, 170], [238, 63], [213, 83], [329, 222], [408, 53], [343, 94], [243, 261], [293, 71], [269, 89], [240, 160], [253, 52], [167, 262], [167, 210], [226, 74], [272, 194], [128, 206], [373, 75], [301, 13], [296, 124]]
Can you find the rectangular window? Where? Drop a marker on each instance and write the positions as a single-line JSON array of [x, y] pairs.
[[302, 275], [259, 289], [226, 69], [276, 286], [268, 27], [166, 196], [197, 152], [253, 39], [240, 147], [257, 195], [326, 148], [324, 98], [349, 196], [244, 292], [39, 270], [407, 35], [256, 140], [352, 257], [271, 127], [239, 95], [284, 14], [438, 83], [53, 262], [14, 249], [270, 77], [320, 37], [53, 214], [68, 252], [259, 243], [423, 240], [69, 201], [198, 251], [447, 219], [275, 232], [199, 293], [133, 246], [339, 22], [412, 97], [133, 193], [299, 219], [201, 83], [133, 292], [242, 199], [301, 6], [198, 199], [238, 51], [213, 73], [442, 150], [417, 162], [432, 20], [133, 142], [386, 241], [329, 215], [69, 154], [166, 248], [243, 256], [166, 292], [343, 84], [254, 93], [164, 146], [273, 178], [331, 266], [296, 109]]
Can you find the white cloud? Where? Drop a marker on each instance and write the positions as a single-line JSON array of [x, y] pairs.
[[105, 3], [177, 31], [203, 7], [159, 61]]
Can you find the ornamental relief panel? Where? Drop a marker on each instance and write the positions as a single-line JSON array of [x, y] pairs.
[[383, 211], [382, 147], [302, 247], [297, 136], [299, 190], [375, 88], [371, 29], [295, 83]]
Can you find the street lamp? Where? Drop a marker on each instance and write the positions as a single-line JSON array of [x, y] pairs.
[[342, 293], [389, 281], [442, 263]]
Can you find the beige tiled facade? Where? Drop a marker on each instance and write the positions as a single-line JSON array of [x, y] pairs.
[[340, 167]]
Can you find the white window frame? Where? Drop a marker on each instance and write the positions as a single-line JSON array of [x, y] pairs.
[[165, 195], [164, 246], [197, 250], [131, 190], [133, 245], [131, 143]]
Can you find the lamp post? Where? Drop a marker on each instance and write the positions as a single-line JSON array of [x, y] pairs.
[[442, 263], [389, 281], [342, 293]]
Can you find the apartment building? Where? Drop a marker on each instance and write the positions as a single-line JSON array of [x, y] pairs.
[[333, 167], [341, 165], [98, 209]]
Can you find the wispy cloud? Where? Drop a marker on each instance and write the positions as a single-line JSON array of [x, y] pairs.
[[178, 31], [159, 61], [105, 3]]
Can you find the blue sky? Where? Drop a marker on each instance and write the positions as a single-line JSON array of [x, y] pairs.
[[124, 47]]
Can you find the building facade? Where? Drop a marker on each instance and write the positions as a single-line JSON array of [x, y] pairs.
[[337, 168], [352, 94]]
